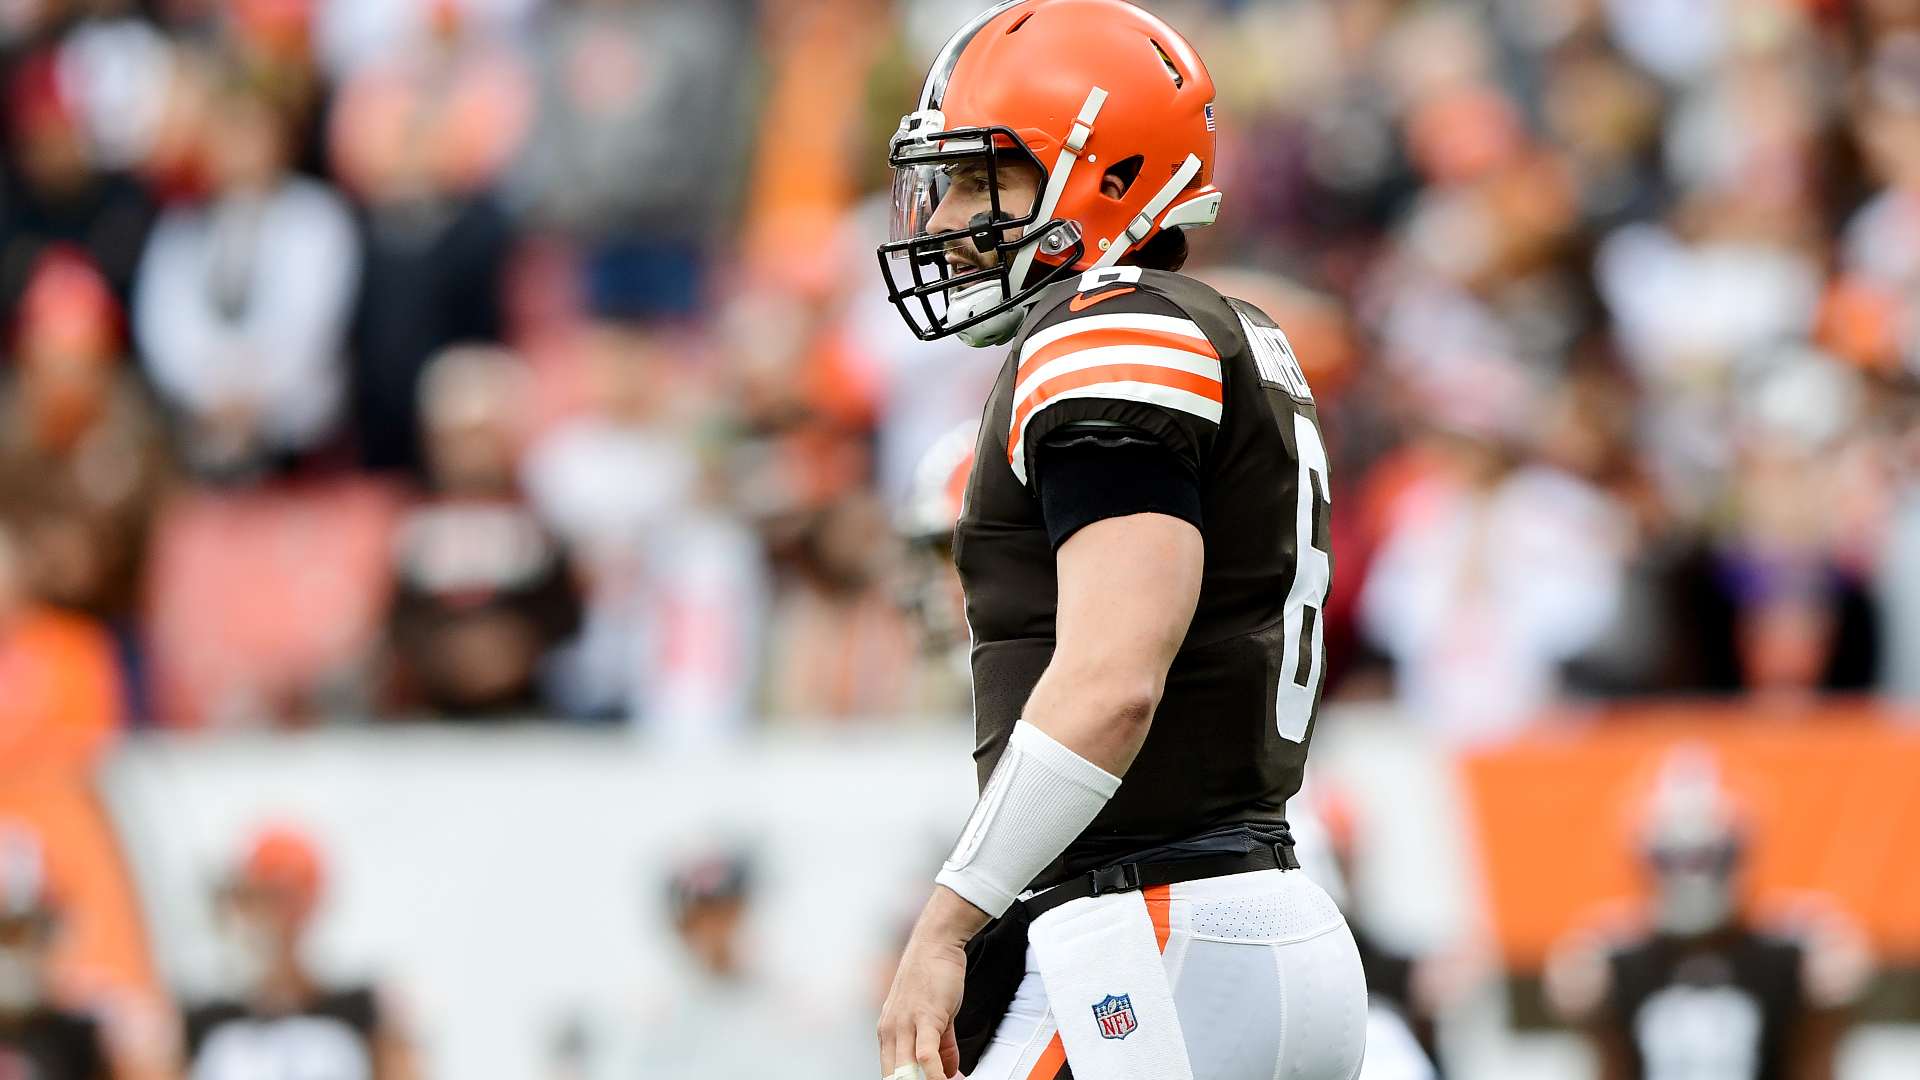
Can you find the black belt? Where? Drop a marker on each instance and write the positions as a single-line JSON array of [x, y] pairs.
[[1126, 877]]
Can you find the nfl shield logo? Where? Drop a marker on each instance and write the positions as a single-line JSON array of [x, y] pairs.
[[1115, 1016]]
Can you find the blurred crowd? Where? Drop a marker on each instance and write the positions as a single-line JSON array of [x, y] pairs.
[[470, 358]]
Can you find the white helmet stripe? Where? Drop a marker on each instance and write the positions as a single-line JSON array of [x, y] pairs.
[[1057, 182]]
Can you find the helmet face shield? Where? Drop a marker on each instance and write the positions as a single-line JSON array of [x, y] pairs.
[[921, 283], [916, 192]]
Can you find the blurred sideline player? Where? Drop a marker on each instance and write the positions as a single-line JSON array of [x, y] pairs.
[[1704, 991], [284, 1021], [933, 594], [714, 1012], [39, 1040], [1144, 556]]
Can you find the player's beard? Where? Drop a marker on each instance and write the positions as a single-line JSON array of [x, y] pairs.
[[968, 302]]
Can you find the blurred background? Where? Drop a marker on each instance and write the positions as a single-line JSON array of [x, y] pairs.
[[466, 580]]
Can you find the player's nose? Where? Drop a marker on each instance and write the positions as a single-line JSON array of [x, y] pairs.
[[953, 212]]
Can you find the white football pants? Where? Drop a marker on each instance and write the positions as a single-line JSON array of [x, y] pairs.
[[1245, 977]]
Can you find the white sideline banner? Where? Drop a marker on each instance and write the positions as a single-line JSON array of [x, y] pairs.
[[504, 880]]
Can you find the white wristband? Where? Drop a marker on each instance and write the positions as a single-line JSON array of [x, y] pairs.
[[1039, 798]]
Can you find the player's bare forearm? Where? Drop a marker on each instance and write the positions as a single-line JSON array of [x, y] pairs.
[[1128, 587]]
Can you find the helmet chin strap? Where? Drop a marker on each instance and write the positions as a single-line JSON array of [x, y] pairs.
[[970, 301]]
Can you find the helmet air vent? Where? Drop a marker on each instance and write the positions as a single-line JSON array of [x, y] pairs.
[[1178, 80], [1019, 22]]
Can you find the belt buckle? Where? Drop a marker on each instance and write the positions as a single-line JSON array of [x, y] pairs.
[[1111, 879]]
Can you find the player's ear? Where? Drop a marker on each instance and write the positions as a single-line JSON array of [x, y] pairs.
[[1120, 176]]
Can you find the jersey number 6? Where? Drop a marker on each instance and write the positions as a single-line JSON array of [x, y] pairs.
[[1305, 657]]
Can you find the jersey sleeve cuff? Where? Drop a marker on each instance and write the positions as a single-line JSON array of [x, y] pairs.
[[1085, 481]]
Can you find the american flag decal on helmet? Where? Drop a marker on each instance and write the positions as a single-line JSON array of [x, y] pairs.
[[1210, 116]]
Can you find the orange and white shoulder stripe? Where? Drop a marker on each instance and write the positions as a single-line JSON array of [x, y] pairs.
[[1163, 360]]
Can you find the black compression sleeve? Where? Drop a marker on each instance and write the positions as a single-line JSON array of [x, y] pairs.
[[1083, 476]]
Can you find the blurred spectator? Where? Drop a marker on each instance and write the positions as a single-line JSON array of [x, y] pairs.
[[1490, 572], [718, 1014], [1802, 619], [1604, 116], [1677, 40], [55, 191], [82, 456], [420, 135], [841, 647], [38, 1038], [115, 62], [673, 585], [482, 591], [617, 158], [352, 33], [1899, 555], [1480, 193], [1877, 245], [271, 44], [283, 1020], [243, 300], [63, 700], [1699, 982]]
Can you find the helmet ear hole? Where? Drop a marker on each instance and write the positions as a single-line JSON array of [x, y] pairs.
[[1179, 80], [1124, 173]]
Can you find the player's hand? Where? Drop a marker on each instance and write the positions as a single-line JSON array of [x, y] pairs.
[[916, 1024]]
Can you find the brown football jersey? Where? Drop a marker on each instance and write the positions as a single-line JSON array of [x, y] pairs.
[[1214, 380]]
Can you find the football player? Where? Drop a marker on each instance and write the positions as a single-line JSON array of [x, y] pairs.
[[285, 1022], [932, 593], [1704, 990], [1144, 555]]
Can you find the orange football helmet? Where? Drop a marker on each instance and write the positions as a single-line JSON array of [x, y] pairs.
[[939, 487], [283, 860], [1077, 88]]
